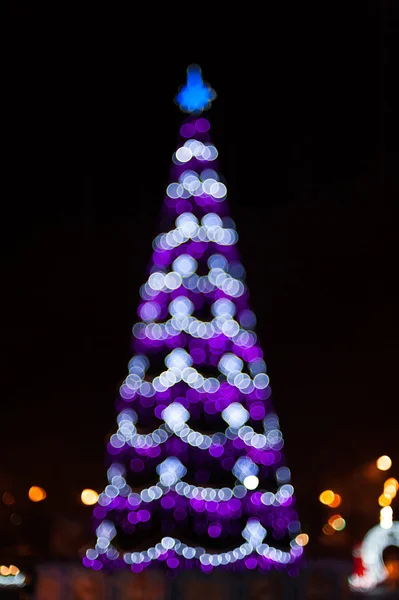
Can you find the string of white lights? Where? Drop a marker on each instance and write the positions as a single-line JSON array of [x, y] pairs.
[[254, 534], [170, 472], [180, 368], [176, 415], [188, 228]]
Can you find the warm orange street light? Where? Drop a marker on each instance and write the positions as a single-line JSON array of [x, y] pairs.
[[36, 494]]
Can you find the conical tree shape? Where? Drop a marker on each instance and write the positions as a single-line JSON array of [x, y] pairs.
[[196, 471]]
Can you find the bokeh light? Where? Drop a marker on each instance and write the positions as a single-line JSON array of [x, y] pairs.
[[384, 500], [36, 494], [327, 497], [384, 463], [328, 530], [386, 517], [302, 539], [89, 497], [336, 501], [337, 522], [8, 499]]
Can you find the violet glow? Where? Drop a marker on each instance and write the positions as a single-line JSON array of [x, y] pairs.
[[195, 414]]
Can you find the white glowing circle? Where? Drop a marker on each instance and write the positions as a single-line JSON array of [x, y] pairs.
[[185, 265], [223, 307], [251, 482], [181, 306], [184, 154], [217, 261], [175, 415], [174, 190], [230, 363], [211, 220], [156, 281], [218, 190], [187, 224], [173, 280], [170, 471], [168, 543], [235, 415], [149, 311]]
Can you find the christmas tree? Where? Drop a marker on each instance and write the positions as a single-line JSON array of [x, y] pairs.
[[196, 472]]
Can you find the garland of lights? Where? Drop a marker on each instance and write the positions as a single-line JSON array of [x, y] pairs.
[[196, 269]]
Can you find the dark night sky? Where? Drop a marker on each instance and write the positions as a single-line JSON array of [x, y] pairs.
[[304, 127]]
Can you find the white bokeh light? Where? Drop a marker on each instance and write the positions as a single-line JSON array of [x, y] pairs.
[[235, 415]]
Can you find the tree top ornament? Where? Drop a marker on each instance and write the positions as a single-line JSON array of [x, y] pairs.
[[196, 95]]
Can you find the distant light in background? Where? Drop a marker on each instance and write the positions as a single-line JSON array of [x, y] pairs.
[[302, 539], [8, 498], [384, 500], [337, 522], [386, 517], [327, 497], [336, 502], [89, 497], [15, 519], [328, 530], [391, 486], [11, 577], [36, 494], [384, 463]]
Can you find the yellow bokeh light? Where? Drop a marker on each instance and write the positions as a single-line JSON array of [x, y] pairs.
[[89, 497], [336, 502], [327, 497], [13, 570], [36, 494], [384, 500], [384, 463], [390, 490], [302, 539], [392, 481]]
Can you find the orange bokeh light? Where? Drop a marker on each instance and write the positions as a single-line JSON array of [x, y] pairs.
[[392, 481], [336, 502], [384, 500], [302, 539], [36, 494]]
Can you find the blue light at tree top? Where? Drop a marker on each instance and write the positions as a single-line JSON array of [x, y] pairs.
[[195, 96]]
